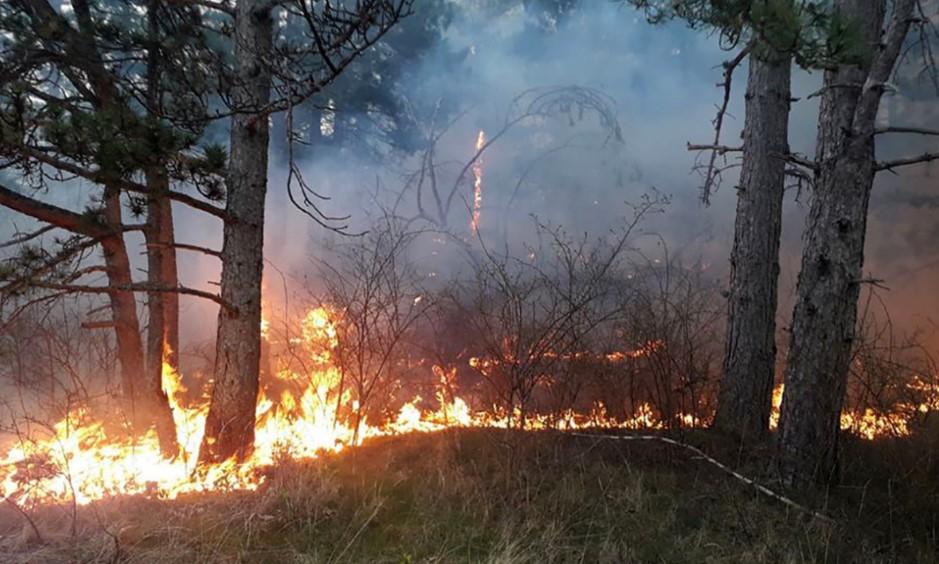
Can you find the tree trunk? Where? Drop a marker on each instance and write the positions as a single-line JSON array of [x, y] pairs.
[[825, 313], [163, 307], [108, 234], [123, 309], [230, 422], [750, 356]]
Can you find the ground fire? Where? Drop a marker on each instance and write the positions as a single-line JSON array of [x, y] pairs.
[[79, 460]]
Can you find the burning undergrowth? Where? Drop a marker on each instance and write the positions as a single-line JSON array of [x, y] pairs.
[[572, 333]]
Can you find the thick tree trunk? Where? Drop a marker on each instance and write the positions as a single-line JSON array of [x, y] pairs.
[[749, 363], [229, 428], [162, 307], [824, 318], [825, 313]]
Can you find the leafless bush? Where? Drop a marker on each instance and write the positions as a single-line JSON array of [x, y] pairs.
[[430, 193], [378, 298], [51, 363], [892, 374], [54, 371], [531, 316], [674, 316]]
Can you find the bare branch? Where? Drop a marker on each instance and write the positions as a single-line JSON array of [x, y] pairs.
[[916, 130], [187, 247], [713, 171], [23, 238], [108, 324], [908, 161], [719, 149], [883, 65], [723, 467], [801, 160], [136, 287]]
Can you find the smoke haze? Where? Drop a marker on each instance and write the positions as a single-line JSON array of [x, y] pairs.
[[661, 82]]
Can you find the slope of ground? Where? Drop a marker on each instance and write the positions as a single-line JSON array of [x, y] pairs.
[[496, 496]]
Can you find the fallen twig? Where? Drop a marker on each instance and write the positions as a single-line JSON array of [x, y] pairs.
[[759, 487]]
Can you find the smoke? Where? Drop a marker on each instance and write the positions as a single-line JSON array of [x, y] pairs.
[[568, 169], [661, 83]]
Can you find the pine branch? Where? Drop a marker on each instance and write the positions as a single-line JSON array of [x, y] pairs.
[[59, 217], [99, 177]]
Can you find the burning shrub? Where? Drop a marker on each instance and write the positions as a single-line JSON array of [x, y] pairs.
[[378, 300], [892, 384], [674, 315], [533, 318]]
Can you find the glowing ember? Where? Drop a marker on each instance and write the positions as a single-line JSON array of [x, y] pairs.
[[478, 181]]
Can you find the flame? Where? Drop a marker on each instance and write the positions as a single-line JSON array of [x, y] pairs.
[[81, 459], [478, 181], [870, 424]]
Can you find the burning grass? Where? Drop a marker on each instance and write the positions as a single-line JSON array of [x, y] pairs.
[[307, 410], [486, 495], [382, 431]]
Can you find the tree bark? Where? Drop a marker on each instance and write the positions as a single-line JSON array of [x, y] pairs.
[[230, 422], [825, 313], [746, 388], [162, 307], [123, 310]]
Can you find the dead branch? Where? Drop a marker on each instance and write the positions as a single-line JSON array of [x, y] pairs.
[[883, 65], [897, 129], [797, 159], [25, 237], [876, 282], [908, 161], [98, 324], [713, 172], [187, 247], [720, 149], [136, 287]]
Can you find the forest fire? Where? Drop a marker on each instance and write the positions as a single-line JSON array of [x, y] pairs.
[[80, 461], [869, 423]]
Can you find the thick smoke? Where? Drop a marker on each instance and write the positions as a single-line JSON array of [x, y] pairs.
[[661, 83]]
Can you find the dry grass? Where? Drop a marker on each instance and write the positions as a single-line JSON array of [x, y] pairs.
[[499, 497]]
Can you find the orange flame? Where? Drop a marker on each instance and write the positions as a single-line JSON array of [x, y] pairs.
[[79, 460], [871, 424], [478, 181]]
